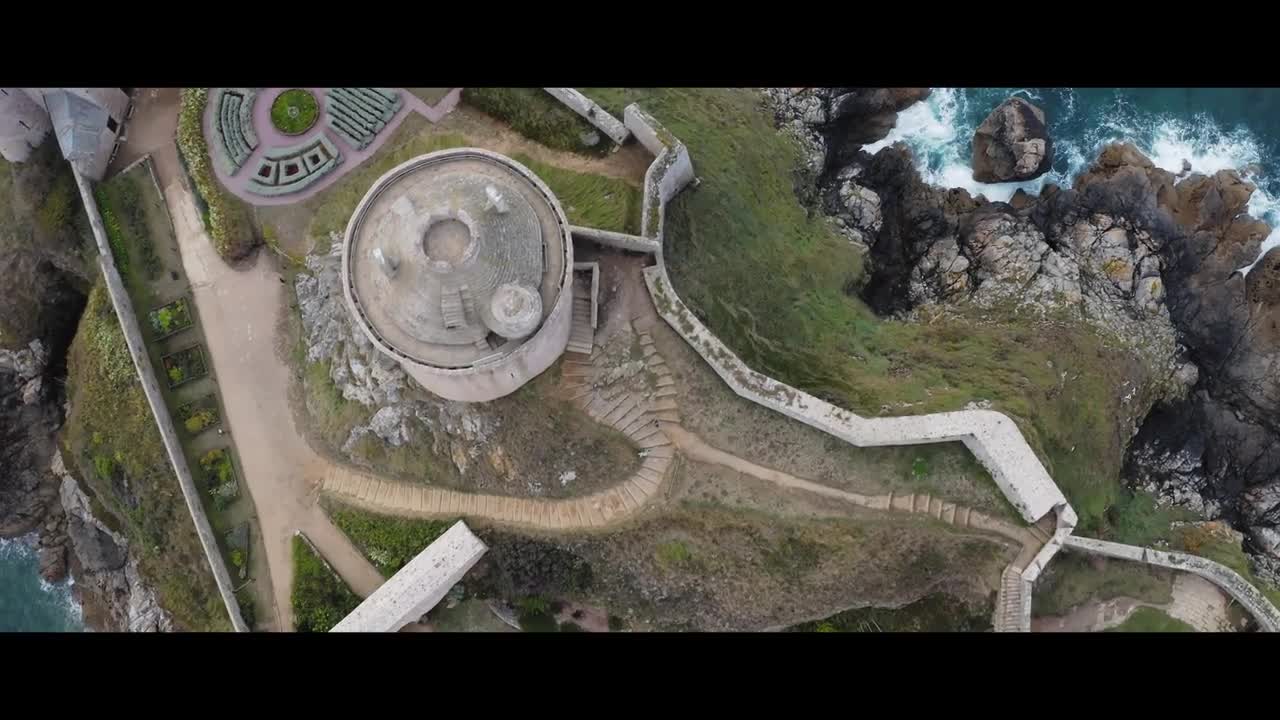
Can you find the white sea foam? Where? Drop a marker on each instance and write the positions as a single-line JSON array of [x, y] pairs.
[[940, 129], [22, 551]]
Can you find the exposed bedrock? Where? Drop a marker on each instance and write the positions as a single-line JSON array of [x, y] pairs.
[[1012, 144], [1145, 256]]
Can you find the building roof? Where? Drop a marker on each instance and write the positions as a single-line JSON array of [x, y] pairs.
[[456, 257], [78, 123]]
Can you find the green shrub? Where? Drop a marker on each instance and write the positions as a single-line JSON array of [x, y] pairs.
[[674, 552], [616, 624], [115, 235], [388, 542], [104, 466], [227, 221], [237, 557], [199, 421], [920, 468], [320, 599]]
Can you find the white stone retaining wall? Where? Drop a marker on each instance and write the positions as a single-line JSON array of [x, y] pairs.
[[622, 241], [589, 109], [418, 586], [1229, 580], [146, 375]]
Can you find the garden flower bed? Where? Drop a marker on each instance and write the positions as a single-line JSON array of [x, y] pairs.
[[184, 366], [219, 477], [237, 541], [170, 319], [199, 415], [294, 111]]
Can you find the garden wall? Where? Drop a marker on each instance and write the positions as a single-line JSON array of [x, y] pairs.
[[146, 375], [1229, 580], [596, 115]]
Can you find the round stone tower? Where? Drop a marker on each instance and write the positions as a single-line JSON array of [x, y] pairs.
[[459, 265]]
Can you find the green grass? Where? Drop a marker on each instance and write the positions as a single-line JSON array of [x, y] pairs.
[[591, 200], [674, 553], [320, 599], [334, 205], [389, 542], [532, 112], [778, 285], [1151, 620], [294, 111], [1072, 580], [111, 432]]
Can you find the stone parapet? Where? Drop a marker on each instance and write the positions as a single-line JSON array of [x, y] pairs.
[[589, 109]]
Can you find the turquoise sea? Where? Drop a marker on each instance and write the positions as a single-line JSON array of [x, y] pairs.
[[1211, 128], [27, 602]]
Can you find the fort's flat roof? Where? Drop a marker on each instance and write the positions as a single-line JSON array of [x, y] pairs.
[[436, 237]]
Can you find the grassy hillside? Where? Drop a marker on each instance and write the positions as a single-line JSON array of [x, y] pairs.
[[112, 438], [779, 286]]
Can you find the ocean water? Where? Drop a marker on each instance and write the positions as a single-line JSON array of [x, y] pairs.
[[27, 602], [1212, 128]]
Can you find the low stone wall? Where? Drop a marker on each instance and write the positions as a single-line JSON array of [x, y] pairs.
[[622, 241], [589, 109], [1229, 580], [146, 375], [419, 585]]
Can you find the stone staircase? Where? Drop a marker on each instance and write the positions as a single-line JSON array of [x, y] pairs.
[[1012, 608], [638, 408], [581, 334]]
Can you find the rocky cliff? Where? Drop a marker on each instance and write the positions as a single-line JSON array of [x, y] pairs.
[[1146, 257], [48, 265]]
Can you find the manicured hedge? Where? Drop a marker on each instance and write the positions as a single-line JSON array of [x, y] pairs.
[[228, 222]]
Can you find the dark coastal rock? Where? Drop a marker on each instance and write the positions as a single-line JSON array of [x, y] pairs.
[[53, 563], [1153, 258], [834, 123], [95, 547], [1012, 144]]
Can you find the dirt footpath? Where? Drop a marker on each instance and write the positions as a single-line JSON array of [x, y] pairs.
[[240, 310]]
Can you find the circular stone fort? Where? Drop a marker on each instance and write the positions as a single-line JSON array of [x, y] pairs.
[[459, 265]]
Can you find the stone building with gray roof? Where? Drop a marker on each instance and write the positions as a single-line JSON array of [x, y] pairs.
[[86, 121], [459, 265]]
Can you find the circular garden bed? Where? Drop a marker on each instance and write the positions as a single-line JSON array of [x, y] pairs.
[[293, 112]]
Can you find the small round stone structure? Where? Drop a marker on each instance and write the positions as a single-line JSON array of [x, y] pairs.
[[459, 265]]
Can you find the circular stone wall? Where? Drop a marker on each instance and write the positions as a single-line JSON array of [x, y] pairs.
[[458, 264]]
